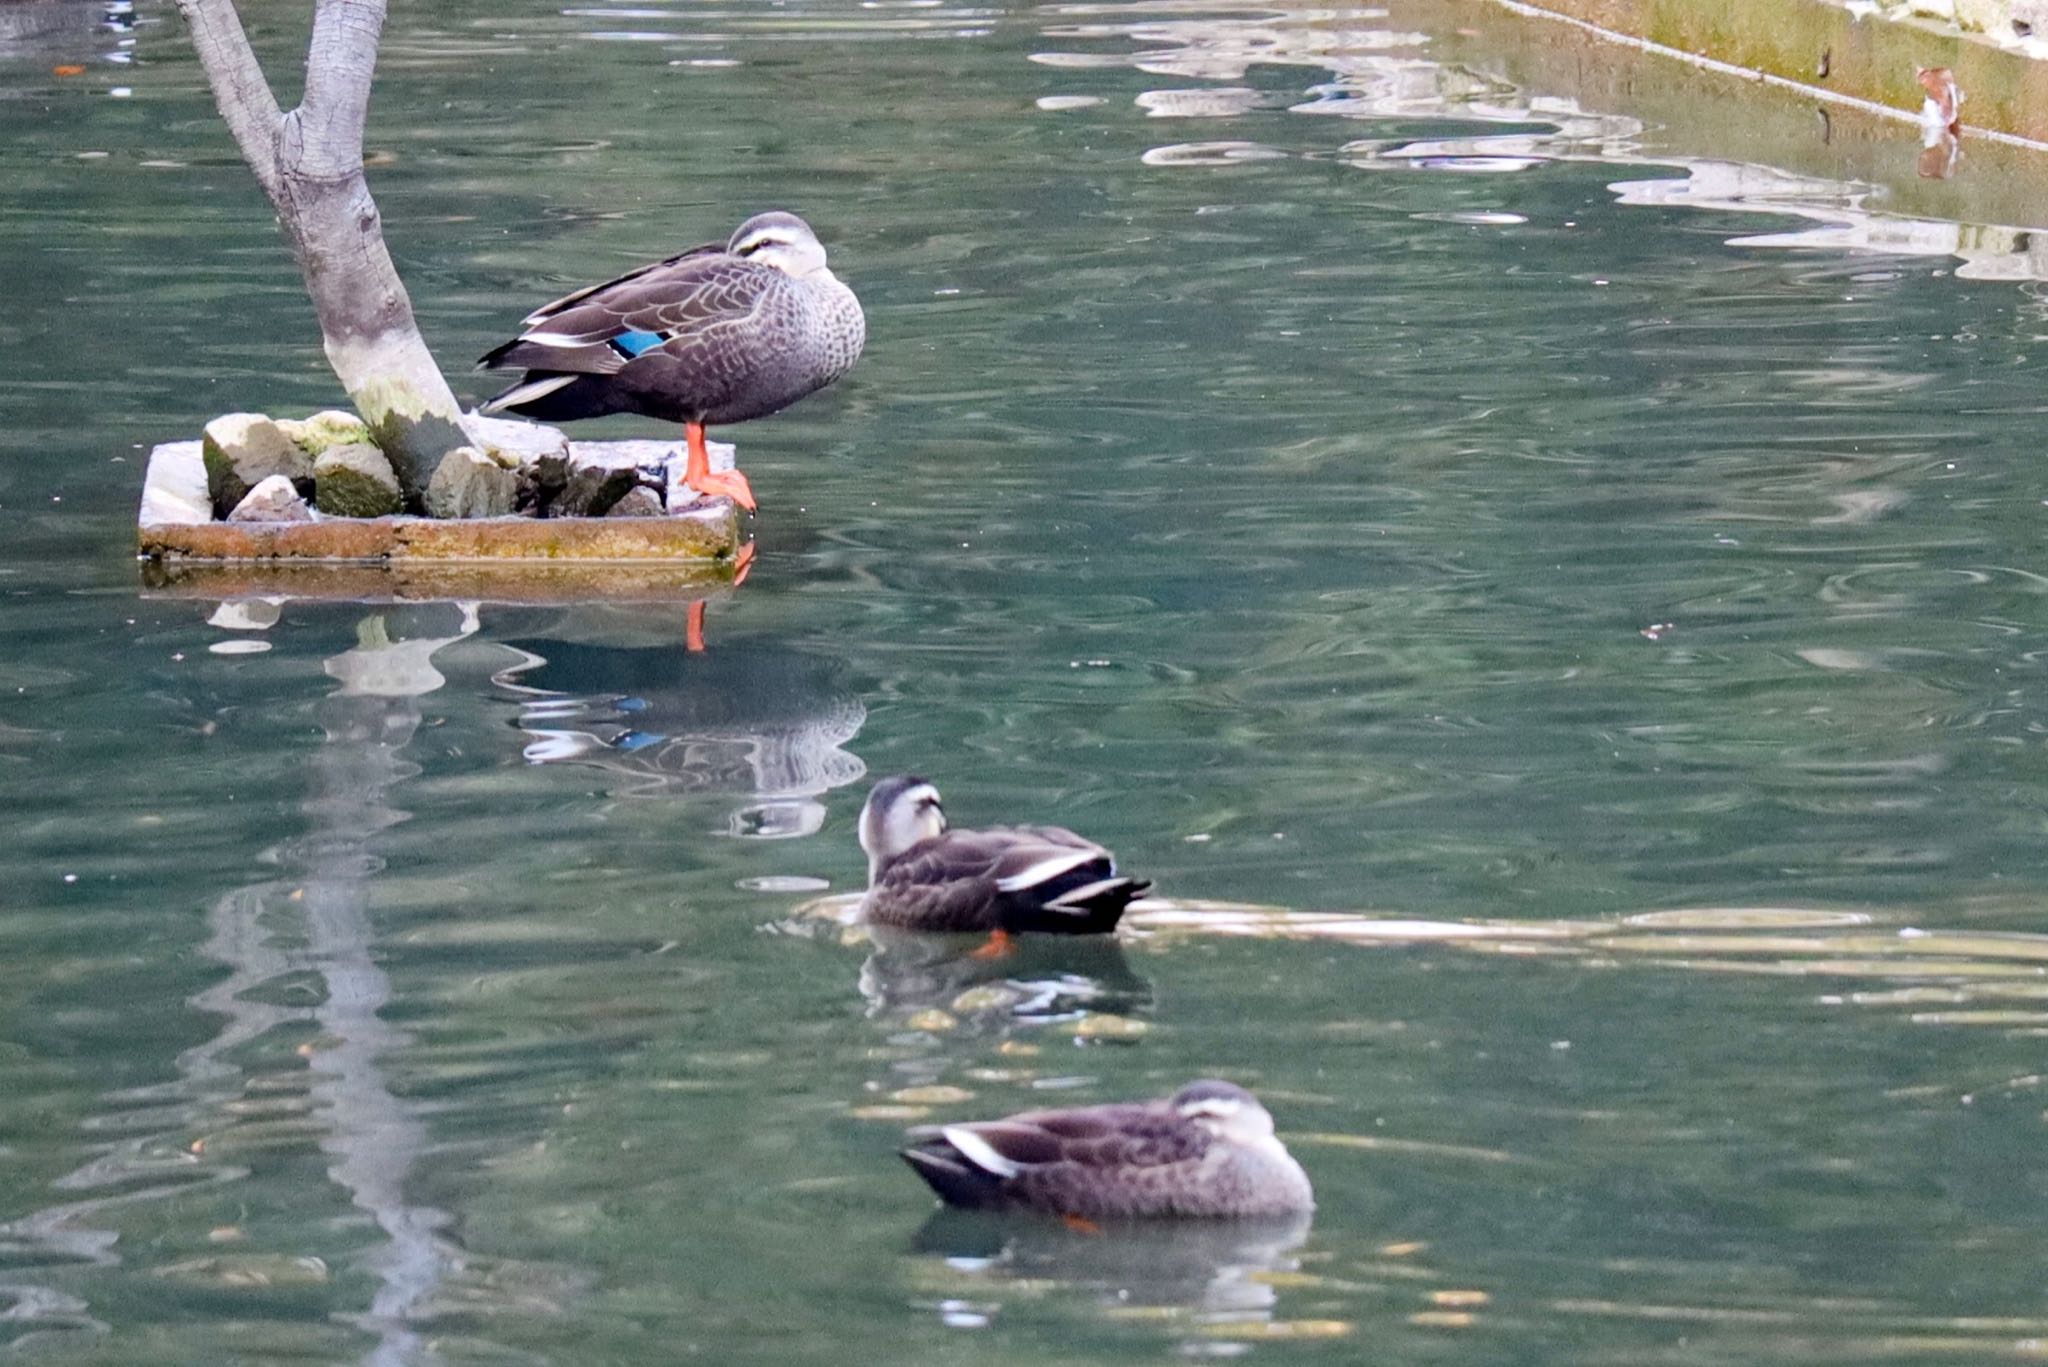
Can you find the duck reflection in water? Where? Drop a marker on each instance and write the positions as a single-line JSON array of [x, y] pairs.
[[1210, 1267], [755, 720], [1042, 980]]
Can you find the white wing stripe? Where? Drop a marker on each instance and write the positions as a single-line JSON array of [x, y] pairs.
[[980, 1152], [563, 339], [526, 393], [1046, 869], [1077, 899]]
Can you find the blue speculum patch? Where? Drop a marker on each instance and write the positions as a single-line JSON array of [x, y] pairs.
[[635, 342]]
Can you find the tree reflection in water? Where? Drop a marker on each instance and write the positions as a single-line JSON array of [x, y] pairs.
[[312, 921]]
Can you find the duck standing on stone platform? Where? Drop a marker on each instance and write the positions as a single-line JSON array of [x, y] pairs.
[[716, 334], [1207, 1151]]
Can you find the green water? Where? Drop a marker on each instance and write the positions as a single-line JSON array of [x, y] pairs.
[[1381, 512]]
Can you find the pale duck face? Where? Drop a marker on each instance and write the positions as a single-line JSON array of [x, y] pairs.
[[900, 812], [1229, 1112], [781, 240]]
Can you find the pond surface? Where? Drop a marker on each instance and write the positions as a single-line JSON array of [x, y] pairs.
[[1597, 604]]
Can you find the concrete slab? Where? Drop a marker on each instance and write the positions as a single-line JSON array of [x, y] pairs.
[[178, 537]]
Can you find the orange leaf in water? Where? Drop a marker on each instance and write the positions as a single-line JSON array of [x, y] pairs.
[[68, 69]]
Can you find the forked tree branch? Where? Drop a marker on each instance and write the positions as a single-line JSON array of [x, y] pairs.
[[339, 64], [238, 85]]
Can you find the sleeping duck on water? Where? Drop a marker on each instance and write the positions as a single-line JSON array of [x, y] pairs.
[[1206, 1151], [925, 875], [716, 334]]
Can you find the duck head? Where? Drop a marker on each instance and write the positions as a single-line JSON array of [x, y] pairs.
[[1225, 1110], [781, 240], [900, 812]]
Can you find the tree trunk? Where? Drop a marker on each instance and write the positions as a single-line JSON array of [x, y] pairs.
[[309, 161]]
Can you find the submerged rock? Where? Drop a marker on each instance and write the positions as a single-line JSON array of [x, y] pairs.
[[244, 449], [274, 499], [469, 483], [326, 430], [355, 480]]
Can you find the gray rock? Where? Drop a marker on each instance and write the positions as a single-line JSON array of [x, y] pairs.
[[513, 442], [274, 499], [596, 482], [541, 482], [469, 483], [355, 480], [648, 455], [244, 449], [638, 501], [324, 430]]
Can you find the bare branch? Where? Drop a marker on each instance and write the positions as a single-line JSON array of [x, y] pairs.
[[238, 86], [339, 63]]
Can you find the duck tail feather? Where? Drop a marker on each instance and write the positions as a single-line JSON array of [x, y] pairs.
[[1090, 909], [553, 398], [956, 1182]]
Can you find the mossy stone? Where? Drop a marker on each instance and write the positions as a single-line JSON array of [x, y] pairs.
[[355, 480], [325, 430]]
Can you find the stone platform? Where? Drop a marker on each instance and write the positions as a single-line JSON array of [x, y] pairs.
[[183, 542]]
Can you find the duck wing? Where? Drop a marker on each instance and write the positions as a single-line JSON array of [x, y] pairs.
[[1057, 880], [1090, 1160], [1119, 1135], [942, 884], [555, 306], [1039, 857], [670, 307]]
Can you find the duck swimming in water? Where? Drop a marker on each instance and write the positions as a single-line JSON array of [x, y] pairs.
[[924, 875], [1206, 1151], [713, 335]]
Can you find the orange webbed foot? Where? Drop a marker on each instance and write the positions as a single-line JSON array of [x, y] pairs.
[[1000, 946], [731, 483]]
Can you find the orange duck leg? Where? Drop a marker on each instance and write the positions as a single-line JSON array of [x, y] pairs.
[[697, 471]]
